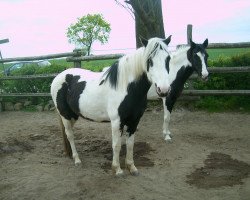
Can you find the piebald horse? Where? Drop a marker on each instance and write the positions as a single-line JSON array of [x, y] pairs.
[[182, 63], [118, 95]]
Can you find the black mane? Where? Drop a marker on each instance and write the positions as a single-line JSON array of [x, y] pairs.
[[112, 75]]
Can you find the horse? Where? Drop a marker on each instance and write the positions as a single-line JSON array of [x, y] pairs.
[[118, 95], [182, 63]]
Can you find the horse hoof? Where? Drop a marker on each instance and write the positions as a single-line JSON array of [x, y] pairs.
[[119, 174], [78, 163], [168, 139], [117, 171], [135, 173]]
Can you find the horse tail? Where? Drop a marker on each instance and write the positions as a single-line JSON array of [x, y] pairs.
[[66, 144]]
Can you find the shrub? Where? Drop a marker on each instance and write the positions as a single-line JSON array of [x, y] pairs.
[[229, 81]]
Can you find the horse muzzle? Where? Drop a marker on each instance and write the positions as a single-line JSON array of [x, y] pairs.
[[161, 92], [204, 78]]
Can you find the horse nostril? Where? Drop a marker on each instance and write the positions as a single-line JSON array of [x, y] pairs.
[[159, 89]]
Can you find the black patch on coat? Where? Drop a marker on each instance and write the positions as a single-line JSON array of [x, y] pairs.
[[112, 75], [167, 63], [68, 97], [177, 86], [134, 104], [151, 55]]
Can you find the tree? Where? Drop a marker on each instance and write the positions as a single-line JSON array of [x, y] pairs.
[[87, 30], [148, 18]]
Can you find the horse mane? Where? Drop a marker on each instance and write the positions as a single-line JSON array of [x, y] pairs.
[[179, 56], [131, 66]]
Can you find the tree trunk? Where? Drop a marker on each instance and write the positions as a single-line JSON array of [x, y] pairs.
[[148, 19]]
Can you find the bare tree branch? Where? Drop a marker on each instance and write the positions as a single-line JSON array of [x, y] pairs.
[[127, 7]]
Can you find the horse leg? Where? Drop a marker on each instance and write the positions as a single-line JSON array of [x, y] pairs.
[[166, 132], [129, 156], [66, 144], [68, 125], [116, 145]]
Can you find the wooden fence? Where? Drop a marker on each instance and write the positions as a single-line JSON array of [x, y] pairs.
[[76, 57], [116, 56]]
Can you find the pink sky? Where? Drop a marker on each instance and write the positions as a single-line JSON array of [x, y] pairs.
[[36, 27]]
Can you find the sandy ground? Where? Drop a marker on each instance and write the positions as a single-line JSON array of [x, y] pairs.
[[209, 158]]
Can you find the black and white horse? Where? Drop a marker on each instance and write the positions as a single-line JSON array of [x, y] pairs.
[[118, 95], [182, 63]]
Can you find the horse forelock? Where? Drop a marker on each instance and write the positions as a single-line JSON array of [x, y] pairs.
[[154, 46]]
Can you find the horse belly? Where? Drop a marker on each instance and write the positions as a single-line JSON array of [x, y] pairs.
[[93, 105]]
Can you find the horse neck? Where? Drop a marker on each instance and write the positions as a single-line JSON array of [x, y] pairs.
[[179, 61]]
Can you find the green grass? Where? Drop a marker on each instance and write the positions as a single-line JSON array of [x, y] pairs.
[[216, 53], [97, 65]]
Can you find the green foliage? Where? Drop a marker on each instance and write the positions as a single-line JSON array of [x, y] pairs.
[[88, 29], [31, 85], [97, 65], [229, 81], [43, 85]]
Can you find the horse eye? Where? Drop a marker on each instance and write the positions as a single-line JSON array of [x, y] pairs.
[[150, 62]]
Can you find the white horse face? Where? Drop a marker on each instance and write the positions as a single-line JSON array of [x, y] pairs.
[[200, 57], [157, 65]]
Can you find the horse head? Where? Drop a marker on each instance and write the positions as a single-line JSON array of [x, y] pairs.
[[198, 56], [157, 59]]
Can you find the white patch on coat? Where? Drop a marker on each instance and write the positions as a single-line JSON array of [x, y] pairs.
[[204, 72]]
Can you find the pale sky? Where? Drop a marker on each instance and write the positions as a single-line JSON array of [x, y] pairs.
[[38, 27]]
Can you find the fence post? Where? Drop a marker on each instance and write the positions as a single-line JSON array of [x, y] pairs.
[[189, 33], [77, 64], [189, 82]]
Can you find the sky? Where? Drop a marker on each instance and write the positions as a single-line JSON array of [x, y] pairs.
[[38, 27]]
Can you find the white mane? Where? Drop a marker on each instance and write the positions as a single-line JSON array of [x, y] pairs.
[[130, 67], [179, 57]]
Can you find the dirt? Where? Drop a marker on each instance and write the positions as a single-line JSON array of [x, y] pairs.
[[209, 158]]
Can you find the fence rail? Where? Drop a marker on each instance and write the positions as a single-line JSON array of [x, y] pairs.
[[185, 93], [229, 45], [44, 57]]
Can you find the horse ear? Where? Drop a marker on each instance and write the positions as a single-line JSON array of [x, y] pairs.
[[144, 41], [192, 44], [205, 43], [167, 41]]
